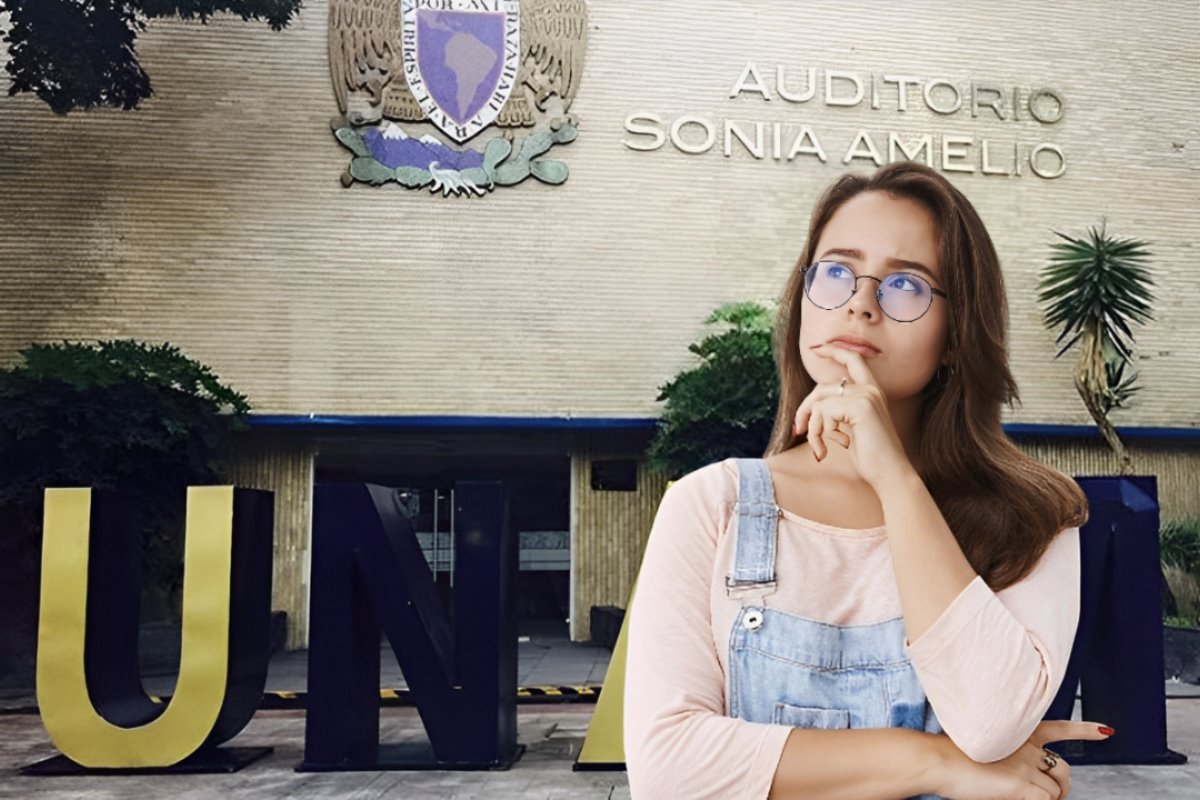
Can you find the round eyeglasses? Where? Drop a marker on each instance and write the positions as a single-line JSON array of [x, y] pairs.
[[903, 296]]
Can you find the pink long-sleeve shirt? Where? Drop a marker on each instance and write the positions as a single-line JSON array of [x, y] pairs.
[[990, 664]]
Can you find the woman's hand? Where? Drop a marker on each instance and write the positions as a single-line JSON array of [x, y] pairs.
[[1021, 776], [857, 419]]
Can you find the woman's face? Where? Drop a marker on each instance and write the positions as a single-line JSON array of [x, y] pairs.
[[865, 233]]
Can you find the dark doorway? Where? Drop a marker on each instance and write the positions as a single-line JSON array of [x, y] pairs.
[[539, 507]]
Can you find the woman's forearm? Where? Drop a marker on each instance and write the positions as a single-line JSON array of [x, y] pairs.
[[931, 570], [858, 764]]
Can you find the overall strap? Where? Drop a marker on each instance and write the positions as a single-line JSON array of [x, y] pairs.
[[757, 524]]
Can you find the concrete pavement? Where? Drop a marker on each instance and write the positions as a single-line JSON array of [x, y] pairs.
[[553, 735]]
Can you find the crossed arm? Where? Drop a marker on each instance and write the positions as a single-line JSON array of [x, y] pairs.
[[989, 690]]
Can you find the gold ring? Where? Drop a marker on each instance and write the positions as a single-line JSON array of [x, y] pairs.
[[1049, 759], [842, 387]]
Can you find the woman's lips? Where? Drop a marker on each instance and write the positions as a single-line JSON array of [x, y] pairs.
[[862, 349]]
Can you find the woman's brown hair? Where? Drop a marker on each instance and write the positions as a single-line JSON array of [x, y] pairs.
[[1003, 506]]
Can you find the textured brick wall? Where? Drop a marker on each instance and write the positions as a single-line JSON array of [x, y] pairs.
[[610, 530], [213, 216], [282, 463]]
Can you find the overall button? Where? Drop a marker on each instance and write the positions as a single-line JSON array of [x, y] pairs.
[[753, 619]]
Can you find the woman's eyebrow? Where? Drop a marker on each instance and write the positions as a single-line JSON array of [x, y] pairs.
[[899, 263]]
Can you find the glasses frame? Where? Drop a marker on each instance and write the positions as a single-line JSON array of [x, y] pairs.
[[878, 289]]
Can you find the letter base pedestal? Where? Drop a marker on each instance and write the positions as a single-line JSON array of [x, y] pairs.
[[413, 756], [205, 761]]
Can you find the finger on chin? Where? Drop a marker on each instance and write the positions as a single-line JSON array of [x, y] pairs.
[[854, 363]]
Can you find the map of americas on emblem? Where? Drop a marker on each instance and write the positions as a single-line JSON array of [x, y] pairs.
[[461, 96]]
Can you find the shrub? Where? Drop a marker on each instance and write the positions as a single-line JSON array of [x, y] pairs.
[[1179, 544], [143, 420], [1179, 553], [1186, 590], [725, 405]]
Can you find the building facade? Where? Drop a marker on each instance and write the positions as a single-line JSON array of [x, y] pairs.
[[414, 338]]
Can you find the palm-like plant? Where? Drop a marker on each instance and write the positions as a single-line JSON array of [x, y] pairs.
[[1095, 287]]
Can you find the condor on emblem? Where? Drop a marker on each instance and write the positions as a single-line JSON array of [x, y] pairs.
[[420, 83]]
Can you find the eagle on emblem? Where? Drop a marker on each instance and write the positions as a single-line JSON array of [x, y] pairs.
[[366, 63]]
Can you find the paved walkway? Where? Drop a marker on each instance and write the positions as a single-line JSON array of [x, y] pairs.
[[541, 661], [553, 735]]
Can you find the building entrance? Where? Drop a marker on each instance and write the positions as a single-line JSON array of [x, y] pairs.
[[538, 489]]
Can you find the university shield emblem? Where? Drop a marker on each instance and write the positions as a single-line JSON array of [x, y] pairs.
[[459, 96], [460, 60]]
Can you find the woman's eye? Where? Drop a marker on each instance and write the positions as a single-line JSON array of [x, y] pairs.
[[837, 271], [904, 284]]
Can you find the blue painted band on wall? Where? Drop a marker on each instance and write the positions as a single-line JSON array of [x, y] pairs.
[[1024, 429], [332, 421], [328, 421]]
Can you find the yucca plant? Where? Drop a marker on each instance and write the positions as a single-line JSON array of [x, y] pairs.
[[1095, 287]]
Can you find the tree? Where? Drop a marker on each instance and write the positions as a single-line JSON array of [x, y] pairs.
[[76, 54], [724, 406], [1095, 287], [145, 421]]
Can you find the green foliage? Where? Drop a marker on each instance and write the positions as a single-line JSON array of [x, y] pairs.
[[77, 55], [1179, 544], [122, 361], [1119, 387], [1100, 277], [1099, 285], [1094, 288], [143, 420], [1182, 622], [725, 405], [1179, 553]]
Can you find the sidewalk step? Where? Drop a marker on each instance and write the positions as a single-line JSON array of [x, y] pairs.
[[526, 695]]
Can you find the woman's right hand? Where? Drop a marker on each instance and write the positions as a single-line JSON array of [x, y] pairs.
[[1017, 777]]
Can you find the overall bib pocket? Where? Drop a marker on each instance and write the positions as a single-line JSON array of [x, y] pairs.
[[808, 717]]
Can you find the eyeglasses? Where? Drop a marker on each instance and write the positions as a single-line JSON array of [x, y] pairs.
[[903, 296]]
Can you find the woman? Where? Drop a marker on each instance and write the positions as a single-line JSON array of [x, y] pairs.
[[884, 606]]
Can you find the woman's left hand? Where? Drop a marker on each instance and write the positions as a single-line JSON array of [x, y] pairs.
[[856, 419]]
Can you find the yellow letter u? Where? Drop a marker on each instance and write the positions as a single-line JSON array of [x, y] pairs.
[[67, 711]]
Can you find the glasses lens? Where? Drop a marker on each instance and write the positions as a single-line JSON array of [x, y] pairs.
[[904, 296], [829, 284]]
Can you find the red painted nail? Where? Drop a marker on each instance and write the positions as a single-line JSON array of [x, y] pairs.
[[1107, 731]]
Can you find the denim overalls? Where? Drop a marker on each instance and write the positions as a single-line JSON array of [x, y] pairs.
[[794, 671]]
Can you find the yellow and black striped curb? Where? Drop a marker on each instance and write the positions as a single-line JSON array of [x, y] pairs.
[[401, 697], [394, 697]]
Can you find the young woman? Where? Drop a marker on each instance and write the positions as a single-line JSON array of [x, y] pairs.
[[883, 607]]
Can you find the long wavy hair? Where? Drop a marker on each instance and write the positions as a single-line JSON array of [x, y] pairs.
[[1003, 506]]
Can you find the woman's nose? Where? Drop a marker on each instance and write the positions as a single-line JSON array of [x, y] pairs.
[[864, 301]]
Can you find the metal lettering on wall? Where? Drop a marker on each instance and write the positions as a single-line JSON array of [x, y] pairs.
[[454, 69], [784, 141]]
